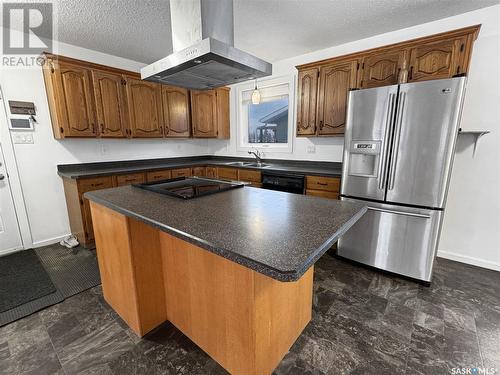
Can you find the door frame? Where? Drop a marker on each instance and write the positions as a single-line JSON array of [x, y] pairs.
[[14, 179]]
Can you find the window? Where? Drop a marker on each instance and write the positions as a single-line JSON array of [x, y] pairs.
[[269, 124]]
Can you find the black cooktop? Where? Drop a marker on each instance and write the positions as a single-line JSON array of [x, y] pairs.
[[189, 187]]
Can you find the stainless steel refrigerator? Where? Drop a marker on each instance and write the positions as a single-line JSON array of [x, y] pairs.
[[399, 147]]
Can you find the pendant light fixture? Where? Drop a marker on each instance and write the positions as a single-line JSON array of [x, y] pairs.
[[256, 95]]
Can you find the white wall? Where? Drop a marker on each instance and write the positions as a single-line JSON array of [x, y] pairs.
[[471, 230], [37, 163]]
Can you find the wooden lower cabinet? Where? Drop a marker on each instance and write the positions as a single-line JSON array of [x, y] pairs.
[[182, 172], [211, 172], [252, 176], [79, 209], [158, 175], [321, 186], [80, 219], [129, 179], [199, 171], [227, 173]]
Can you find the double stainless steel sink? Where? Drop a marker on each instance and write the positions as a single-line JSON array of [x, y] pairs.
[[248, 164]]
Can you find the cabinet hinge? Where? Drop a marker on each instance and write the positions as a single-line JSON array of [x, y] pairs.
[[52, 70], [462, 46], [357, 66], [361, 83], [363, 66], [318, 73], [61, 129]]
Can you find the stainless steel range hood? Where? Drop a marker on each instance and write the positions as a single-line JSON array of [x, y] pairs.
[[204, 56]]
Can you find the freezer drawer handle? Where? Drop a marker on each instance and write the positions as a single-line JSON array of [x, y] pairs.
[[397, 135], [385, 152], [400, 213]]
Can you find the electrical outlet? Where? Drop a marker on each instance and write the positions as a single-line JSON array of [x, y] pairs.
[[23, 138], [311, 149]]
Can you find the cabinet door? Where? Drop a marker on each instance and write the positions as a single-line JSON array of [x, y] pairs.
[[211, 172], [306, 106], [223, 120], [129, 179], [110, 104], [175, 102], [144, 108], [382, 69], [182, 172], [85, 185], [204, 113], [198, 171], [335, 81], [158, 175], [442, 59], [74, 101]]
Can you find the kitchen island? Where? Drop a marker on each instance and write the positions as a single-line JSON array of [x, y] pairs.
[[233, 271]]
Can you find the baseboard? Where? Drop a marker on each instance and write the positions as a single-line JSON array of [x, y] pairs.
[[10, 251], [50, 241], [469, 260]]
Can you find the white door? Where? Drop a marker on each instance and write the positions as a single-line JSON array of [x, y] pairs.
[[10, 236]]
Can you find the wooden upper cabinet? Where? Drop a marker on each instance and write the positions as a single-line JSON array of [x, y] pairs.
[[436, 60], [382, 69], [70, 100], [306, 101], [222, 103], [335, 81], [144, 108], [175, 102], [204, 113], [110, 104]]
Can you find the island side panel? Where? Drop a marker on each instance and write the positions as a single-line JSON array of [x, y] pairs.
[[210, 299], [244, 320], [130, 266], [282, 311]]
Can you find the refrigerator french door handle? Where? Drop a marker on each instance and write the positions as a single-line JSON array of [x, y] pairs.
[[423, 216], [383, 159], [395, 147]]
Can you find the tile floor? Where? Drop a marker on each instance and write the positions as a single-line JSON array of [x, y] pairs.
[[364, 322]]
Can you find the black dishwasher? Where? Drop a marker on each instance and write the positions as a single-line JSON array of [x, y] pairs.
[[290, 183]]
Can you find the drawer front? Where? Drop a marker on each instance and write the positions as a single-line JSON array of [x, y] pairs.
[[250, 176], [183, 172], [158, 175], [198, 171], [323, 183], [323, 194], [95, 183], [128, 179], [227, 173], [211, 172]]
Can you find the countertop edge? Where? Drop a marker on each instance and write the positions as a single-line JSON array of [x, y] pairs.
[[302, 170], [280, 275]]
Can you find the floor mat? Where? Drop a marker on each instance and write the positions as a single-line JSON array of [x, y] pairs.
[[71, 270], [22, 279]]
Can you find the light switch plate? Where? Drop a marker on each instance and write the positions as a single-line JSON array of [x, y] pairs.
[[311, 149], [23, 138]]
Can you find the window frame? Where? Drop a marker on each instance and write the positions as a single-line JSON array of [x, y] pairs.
[[242, 123]]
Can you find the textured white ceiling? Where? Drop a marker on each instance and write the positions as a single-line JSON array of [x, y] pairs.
[[270, 29]]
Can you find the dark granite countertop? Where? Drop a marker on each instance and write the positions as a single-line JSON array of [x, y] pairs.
[[77, 171], [277, 234]]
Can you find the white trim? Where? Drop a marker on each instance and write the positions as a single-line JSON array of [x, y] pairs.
[[10, 251], [50, 241], [469, 260], [263, 83]]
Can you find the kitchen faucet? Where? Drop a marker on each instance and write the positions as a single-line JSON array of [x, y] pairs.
[[257, 155]]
